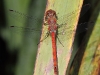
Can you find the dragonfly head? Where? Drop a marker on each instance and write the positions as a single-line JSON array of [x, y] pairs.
[[50, 14]]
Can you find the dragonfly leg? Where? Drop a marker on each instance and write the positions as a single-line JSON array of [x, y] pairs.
[[47, 34], [45, 23], [61, 25], [60, 41]]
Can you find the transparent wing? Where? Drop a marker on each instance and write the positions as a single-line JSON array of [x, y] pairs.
[[25, 31], [29, 30], [20, 16], [65, 20], [68, 17]]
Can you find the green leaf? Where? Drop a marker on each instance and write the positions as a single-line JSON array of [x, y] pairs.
[[87, 60], [68, 13], [90, 64]]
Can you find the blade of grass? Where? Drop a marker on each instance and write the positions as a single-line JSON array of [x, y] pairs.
[[90, 64], [87, 60], [44, 60]]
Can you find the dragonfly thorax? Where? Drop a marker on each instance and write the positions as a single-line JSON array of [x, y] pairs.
[[52, 28]]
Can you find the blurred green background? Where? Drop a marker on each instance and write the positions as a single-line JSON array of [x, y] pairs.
[[18, 47]]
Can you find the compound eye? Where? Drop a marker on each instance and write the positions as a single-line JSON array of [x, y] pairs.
[[54, 14]]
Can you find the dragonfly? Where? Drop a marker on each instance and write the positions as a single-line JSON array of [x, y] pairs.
[[51, 20]]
